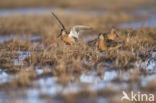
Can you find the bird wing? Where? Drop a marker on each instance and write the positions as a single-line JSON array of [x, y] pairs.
[[74, 31]]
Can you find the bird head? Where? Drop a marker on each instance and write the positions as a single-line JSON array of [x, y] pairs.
[[114, 31], [101, 36], [62, 32]]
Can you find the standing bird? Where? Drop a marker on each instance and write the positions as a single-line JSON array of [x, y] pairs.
[[111, 35], [100, 42], [105, 41], [102, 46], [72, 36]]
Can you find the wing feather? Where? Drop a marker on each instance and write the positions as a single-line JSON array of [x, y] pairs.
[[75, 30]]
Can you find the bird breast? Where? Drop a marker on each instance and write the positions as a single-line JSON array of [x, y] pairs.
[[74, 35], [102, 45]]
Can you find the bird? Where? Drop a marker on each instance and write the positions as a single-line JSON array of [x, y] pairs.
[[73, 35], [112, 34], [105, 41], [102, 46], [99, 42]]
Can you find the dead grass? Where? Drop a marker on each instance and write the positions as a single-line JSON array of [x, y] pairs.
[[69, 62]]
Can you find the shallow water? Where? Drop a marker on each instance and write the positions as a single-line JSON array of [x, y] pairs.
[[148, 64], [4, 77], [117, 80], [21, 11], [49, 86], [142, 23], [150, 22], [147, 23], [22, 37], [88, 78], [23, 55]]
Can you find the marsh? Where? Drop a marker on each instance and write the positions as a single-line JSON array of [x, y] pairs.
[[37, 67]]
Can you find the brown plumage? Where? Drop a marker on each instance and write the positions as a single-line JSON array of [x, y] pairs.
[[73, 35], [66, 38], [111, 35], [101, 43], [105, 44], [105, 41]]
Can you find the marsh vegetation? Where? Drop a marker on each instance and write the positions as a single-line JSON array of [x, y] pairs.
[[36, 66]]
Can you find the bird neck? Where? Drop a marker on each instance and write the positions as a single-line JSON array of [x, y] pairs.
[[67, 39], [111, 36], [102, 45]]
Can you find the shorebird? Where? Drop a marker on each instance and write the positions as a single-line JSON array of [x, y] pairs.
[[111, 35], [73, 35], [105, 41], [102, 46], [100, 42]]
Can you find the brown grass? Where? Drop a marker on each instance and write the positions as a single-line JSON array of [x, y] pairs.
[[68, 61], [65, 62]]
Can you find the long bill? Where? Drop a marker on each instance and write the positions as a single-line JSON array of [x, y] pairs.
[[60, 34], [59, 21]]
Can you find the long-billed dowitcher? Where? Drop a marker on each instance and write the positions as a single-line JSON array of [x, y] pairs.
[[102, 43], [112, 34], [73, 35], [105, 41]]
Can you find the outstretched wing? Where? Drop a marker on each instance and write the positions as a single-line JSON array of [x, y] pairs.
[[79, 28], [74, 31], [59, 21]]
